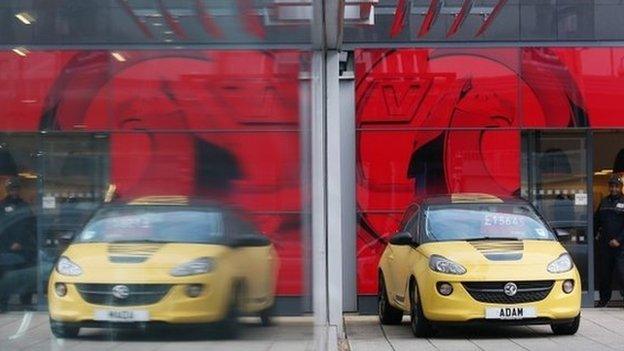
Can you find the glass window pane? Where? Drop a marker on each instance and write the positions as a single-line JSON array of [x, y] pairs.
[[174, 135]]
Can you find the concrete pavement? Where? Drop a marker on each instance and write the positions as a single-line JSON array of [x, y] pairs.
[[601, 329], [31, 331]]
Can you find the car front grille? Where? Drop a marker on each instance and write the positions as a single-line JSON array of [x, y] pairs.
[[139, 294], [493, 292]]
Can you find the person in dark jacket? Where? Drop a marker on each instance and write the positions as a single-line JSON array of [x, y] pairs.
[[17, 241], [609, 229]]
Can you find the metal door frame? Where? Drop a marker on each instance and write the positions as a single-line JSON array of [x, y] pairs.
[[587, 299]]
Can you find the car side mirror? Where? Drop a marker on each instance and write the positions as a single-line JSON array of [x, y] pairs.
[[562, 233], [66, 237], [402, 238], [249, 240]]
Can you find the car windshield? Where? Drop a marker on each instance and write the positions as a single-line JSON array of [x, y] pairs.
[[160, 224], [484, 221]]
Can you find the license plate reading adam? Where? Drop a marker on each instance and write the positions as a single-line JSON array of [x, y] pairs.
[[515, 312], [122, 316]]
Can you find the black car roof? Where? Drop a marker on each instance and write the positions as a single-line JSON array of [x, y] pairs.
[[469, 198], [165, 200]]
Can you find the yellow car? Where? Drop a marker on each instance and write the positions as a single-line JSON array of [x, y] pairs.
[[467, 258], [153, 262]]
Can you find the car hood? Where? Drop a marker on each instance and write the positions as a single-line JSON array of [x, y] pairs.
[[134, 261], [497, 253]]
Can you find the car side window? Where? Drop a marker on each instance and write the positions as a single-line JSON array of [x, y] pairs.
[[412, 226], [232, 229], [417, 230], [409, 214], [238, 226]]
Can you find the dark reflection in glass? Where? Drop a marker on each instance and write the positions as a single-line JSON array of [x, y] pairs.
[[148, 22], [486, 20]]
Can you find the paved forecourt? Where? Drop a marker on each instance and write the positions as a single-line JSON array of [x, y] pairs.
[[601, 329]]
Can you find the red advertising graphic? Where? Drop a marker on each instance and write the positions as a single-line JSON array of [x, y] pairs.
[[433, 121], [217, 124], [225, 124]]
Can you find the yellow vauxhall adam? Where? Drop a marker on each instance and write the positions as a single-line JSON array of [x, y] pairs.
[[162, 263], [468, 258]]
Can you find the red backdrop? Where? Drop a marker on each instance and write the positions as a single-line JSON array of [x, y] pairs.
[[428, 121], [449, 120], [218, 124]]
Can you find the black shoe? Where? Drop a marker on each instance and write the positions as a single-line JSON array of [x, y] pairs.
[[602, 303]]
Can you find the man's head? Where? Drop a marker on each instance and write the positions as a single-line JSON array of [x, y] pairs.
[[12, 187], [615, 185]]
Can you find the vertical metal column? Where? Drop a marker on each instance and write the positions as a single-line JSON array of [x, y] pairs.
[[39, 213], [335, 194], [326, 202], [319, 210], [349, 219], [326, 174], [588, 300]]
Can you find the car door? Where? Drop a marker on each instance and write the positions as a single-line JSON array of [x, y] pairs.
[[418, 262], [399, 261]]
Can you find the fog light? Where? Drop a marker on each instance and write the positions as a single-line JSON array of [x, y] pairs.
[[568, 286], [445, 288], [60, 289], [194, 290]]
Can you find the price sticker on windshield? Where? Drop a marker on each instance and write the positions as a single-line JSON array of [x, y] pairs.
[[501, 220]]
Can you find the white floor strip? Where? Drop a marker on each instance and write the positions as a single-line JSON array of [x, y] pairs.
[[24, 326]]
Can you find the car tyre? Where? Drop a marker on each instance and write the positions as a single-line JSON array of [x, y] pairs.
[[421, 326], [566, 328], [63, 331], [229, 328], [266, 316], [388, 314]]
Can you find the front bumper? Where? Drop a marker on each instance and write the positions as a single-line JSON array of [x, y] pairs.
[[460, 306], [175, 307]]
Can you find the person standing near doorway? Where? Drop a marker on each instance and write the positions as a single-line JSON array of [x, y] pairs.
[[17, 244], [609, 229]]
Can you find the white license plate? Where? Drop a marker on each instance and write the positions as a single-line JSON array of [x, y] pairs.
[[122, 316], [510, 312]]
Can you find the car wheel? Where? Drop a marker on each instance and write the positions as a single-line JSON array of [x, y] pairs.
[[421, 326], [388, 314], [566, 328], [266, 316], [229, 328], [63, 331]]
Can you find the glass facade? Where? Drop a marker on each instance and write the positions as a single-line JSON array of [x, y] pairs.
[[215, 106], [218, 125], [459, 21], [155, 165], [169, 22]]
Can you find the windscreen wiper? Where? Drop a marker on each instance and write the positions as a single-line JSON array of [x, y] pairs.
[[484, 238], [146, 241]]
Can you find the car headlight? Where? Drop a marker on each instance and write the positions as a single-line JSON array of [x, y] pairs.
[[444, 265], [66, 267], [562, 264], [199, 266]]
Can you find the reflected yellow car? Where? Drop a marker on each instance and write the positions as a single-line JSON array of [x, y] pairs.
[[154, 262], [473, 258]]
